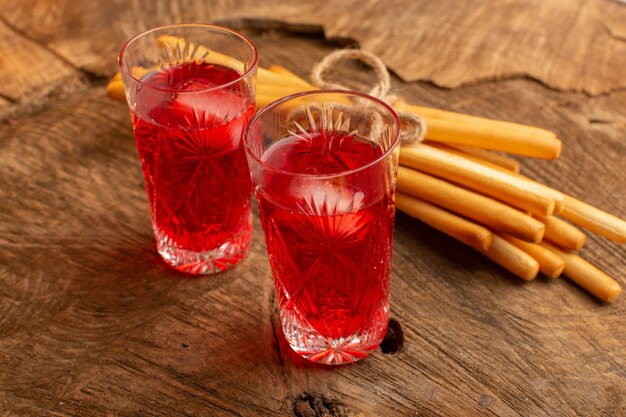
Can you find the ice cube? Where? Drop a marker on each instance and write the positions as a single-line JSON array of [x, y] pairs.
[[208, 109], [325, 198]]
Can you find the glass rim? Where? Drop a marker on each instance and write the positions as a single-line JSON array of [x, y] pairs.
[[124, 69], [267, 107]]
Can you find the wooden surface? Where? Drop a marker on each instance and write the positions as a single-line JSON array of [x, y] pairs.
[[93, 323], [569, 45]]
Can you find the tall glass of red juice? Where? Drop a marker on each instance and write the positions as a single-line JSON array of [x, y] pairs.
[[324, 165], [191, 91]]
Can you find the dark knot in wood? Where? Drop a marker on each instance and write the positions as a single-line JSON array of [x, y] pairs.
[[394, 339], [308, 405]]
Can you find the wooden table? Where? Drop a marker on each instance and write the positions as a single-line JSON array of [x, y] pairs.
[[93, 323]]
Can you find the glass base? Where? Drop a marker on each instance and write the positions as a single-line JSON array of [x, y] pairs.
[[214, 261], [312, 345]]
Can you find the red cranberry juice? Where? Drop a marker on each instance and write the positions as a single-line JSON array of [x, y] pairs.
[[329, 243], [189, 141]]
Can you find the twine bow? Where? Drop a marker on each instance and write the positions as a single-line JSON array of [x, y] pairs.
[[413, 126]]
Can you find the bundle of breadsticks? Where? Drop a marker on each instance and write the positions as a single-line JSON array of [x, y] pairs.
[[456, 183]]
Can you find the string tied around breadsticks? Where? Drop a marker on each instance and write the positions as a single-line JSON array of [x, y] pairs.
[[414, 127]]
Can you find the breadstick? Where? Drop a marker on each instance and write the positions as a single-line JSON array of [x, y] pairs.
[[586, 275], [506, 187], [487, 136], [454, 150], [262, 101], [559, 198], [497, 139], [115, 90], [512, 258], [495, 159], [549, 263], [562, 233], [277, 69], [431, 113], [595, 220], [463, 230], [277, 91], [474, 206]]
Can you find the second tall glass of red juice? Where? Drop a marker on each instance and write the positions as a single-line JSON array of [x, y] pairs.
[[324, 166], [191, 91]]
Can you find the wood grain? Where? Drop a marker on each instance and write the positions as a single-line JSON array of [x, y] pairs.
[[79, 32], [567, 45], [27, 66], [93, 323]]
